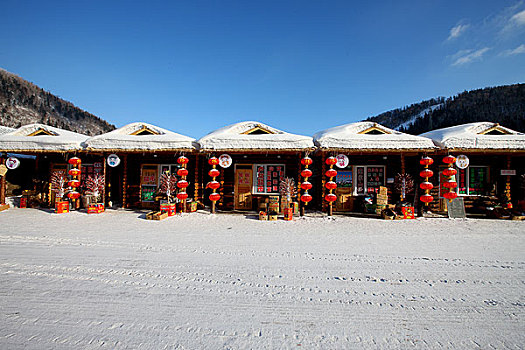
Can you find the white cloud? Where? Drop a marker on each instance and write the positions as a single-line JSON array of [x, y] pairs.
[[518, 19], [457, 31], [519, 50], [468, 56], [514, 22]]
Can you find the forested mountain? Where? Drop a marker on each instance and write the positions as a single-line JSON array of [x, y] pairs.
[[502, 104], [22, 102]]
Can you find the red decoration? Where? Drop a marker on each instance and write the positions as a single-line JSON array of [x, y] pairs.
[[74, 183], [450, 195], [214, 172], [74, 161], [306, 161], [182, 184], [182, 172], [330, 197], [450, 172], [94, 185], [213, 161], [215, 197], [331, 173], [306, 173], [426, 185], [168, 185], [182, 196], [58, 184], [450, 184], [426, 198], [214, 185], [306, 198], [426, 161], [449, 159], [74, 172], [426, 173], [183, 160], [331, 185], [306, 186], [73, 195], [331, 161]]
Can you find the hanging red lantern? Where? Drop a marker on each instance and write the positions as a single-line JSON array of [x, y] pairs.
[[74, 172], [74, 161], [74, 183], [306, 198], [426, 185], [331, 185], [214, 185], [214, 197], [182, 172], [214, 172], [73, 195], [306, 161], [330, 197], [213, 161], [331, 173], [450, 172], [426, 161], [306, 173], [450, 195], [426, 198], [306, 185], [182, 196], [426, 173], [182, 160], [182, 184], [331, 161], [449, 159], [450, 184]]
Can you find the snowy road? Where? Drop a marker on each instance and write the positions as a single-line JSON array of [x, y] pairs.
[[116, 281]]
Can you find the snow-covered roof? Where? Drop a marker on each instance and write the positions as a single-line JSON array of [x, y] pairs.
[[5, 129], [140, 136], [41, 138], [367, 136], [252, 135], [481, 135]]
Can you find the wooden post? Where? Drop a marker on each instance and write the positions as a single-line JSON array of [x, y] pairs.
[[105, 182], [403, 169], [507, 184], [196, 180], [124, 180], [323, 182]]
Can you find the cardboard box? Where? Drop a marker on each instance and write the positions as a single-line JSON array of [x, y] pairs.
[[4, 207], [192, 207], [23, 202], [263, 215], [62, 207], [408, 212], [272, 217], [273, 199], [288, 214]]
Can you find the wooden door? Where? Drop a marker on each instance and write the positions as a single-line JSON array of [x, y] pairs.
[[243, 188]]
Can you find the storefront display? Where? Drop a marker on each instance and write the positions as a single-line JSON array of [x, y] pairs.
[[267, 178]]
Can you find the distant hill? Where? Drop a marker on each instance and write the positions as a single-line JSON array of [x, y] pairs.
[[22, 102], [502, 104]]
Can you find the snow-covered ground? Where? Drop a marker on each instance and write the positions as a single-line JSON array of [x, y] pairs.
[[115, 281]]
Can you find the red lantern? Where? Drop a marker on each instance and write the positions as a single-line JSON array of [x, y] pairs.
[[306, 185], [450, 184], [450, 172], [182, 184], [331, 185], [306, 161], [306, 198], [426, 185], [426, 173], [73, 195], [426, 161], [449, 159], [331, 173], [183, 160], [214, 172], [74, 161], [331, 161], [182, 196], [214, 185], [214, 197], [213, 161], [330, 197], [74, 183], [450, 195], [426, 198], [182, 172], [306, 173], [74, 172]]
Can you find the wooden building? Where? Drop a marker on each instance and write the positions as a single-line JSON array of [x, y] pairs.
[[491, 161], [256, 157], [369, 156]]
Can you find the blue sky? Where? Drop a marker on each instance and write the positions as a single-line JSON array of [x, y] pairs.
[[301, 66]]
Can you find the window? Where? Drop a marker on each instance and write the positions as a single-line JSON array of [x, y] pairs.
[[267, 178], [472, 181], [369, 179]]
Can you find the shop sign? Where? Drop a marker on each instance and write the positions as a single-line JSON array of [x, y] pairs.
[[113, 160], [342, 161], [12, 163], [225, 160], [462, 161], [508, 172]]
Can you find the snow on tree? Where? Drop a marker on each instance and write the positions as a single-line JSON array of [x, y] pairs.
[[95, 185], [404, 184], [58, 183], [168, 185], [287, 188]]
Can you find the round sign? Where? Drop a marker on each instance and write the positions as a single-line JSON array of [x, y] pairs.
[[225, 160], [342, 161], [462, 161], [113, 160], [12, 163]]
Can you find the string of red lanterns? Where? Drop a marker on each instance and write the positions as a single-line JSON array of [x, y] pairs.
[[426, 185], [330, 184], [74, 183], [305, 185], [182, 184], [213, 184], [449, 172]]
